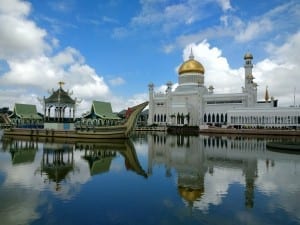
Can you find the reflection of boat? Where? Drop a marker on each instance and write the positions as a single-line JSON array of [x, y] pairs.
[[100, 154], [95, 132], [22, 151], [288, 147]]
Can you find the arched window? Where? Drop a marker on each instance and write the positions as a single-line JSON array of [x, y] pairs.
[[154, 117], [218, 118], [165, 118], [213, 118], [209, 119], [222, 118], [205, 118]]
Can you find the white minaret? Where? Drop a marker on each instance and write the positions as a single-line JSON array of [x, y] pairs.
[[248, 70], [151, 104], [250, 85]]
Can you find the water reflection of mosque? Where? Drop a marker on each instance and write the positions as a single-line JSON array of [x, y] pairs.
[[193, 157], [57, 160]]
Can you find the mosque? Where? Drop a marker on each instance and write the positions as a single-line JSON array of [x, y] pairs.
[[193, 104]]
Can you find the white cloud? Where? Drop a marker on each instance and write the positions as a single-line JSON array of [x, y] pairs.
[[117, 81], [225, 4], [168, 48], [20, 37], [62, 6], [216, 187], [270, 26], [169, 15], [32, 69], [217, 70], [120, 32], [67, 57], [280, 72], [253, 30]]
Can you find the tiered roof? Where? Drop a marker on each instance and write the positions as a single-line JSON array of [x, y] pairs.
[[25, 111], [59, 96], [102, 110]]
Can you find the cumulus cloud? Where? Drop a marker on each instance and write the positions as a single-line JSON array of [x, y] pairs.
[[217, 70], [31, 68], [20, 37], [279, 72]]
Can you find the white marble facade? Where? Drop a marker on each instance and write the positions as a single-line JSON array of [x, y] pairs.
[[194, 104]]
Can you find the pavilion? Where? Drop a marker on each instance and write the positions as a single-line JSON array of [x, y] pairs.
[[101, 114], [55, 109], [25, 115]]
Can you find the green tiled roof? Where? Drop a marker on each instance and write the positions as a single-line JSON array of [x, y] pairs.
[[102, 110], [23, 156], [101, 166], [26, 111], [60, 96]]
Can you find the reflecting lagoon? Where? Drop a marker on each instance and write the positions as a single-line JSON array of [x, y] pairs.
[[153, 178]]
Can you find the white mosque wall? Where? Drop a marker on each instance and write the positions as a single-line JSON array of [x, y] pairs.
[[193, 104]]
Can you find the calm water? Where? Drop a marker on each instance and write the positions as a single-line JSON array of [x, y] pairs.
[[151, 179]]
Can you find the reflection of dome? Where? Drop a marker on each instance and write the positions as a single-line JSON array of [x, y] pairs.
[[190, 66], [248, 55], [190, 194]]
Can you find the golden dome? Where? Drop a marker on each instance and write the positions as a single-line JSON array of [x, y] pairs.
[[190, 66], [248, 55], [190, 194]]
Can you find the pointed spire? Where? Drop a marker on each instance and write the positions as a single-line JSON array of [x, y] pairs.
[[191, 54], [267, 94], [61, 83]]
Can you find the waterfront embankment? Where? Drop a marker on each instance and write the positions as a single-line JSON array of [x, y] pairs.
[[250, 131]]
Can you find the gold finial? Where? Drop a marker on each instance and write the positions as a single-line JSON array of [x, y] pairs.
[[61, 83], [267, 94]]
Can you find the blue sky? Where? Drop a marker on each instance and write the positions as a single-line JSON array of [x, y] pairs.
[[111, 50]]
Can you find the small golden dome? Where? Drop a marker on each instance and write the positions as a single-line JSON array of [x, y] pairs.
[[190, 66], [190, 194], [248, 55]]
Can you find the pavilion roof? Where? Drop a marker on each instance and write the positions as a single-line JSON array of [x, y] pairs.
[[102, 110], [23, 156], [25, 111], [59, 96]]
